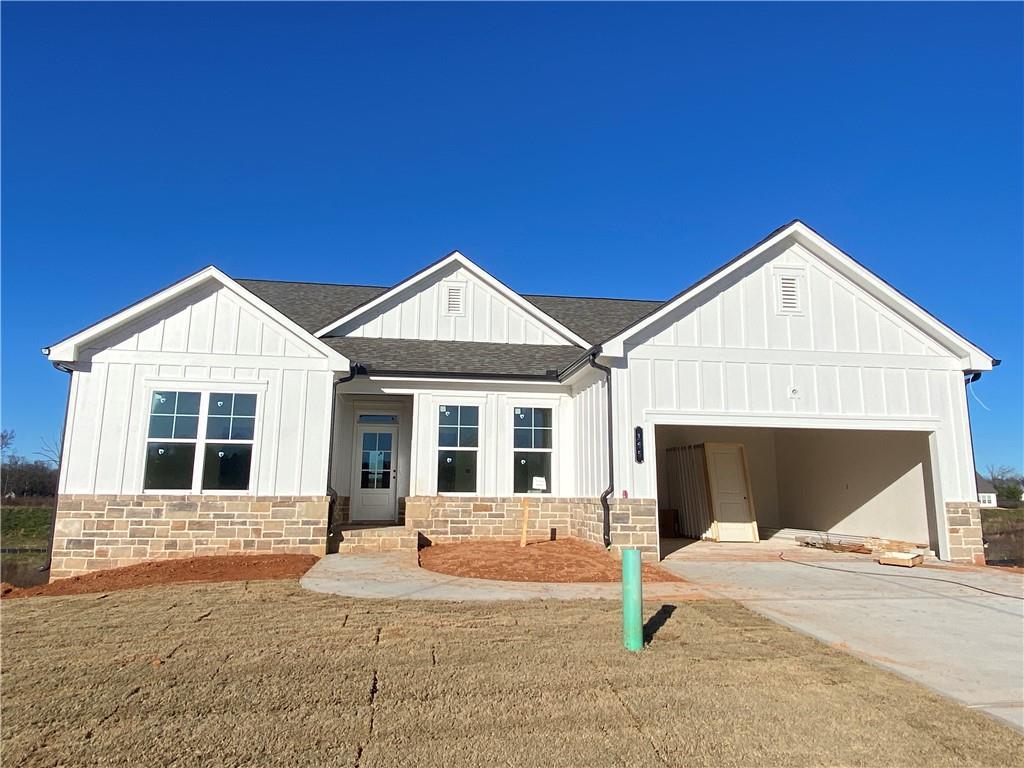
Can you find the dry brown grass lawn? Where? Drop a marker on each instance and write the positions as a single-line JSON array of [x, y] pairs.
[[265, 673]]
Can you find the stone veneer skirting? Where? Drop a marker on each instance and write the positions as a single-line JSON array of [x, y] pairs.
[[108, 531], [458, 518], [963, 521]]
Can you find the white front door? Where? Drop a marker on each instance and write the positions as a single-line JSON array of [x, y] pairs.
[[374, 473], [730, 492]]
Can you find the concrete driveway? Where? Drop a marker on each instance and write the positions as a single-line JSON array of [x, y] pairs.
[[963, 643]]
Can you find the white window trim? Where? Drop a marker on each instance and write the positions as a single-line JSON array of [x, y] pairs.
[[553, 408], [205, 388], [480, 454]]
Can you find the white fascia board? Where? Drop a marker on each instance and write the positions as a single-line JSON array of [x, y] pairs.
[[970, 355], [483, 275], [69, 349]]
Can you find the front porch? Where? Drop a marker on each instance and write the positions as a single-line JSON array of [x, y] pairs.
[[388, 456]]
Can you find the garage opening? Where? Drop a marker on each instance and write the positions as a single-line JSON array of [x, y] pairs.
[[755, 483]]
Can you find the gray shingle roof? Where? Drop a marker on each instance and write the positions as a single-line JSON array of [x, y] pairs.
[[474, 357], [315, 305], [596, 320], [984, 484], [312, 305]]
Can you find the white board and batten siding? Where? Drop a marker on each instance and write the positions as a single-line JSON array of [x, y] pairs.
[[752, 352], [590, 416], [452, 305], [206, 340]]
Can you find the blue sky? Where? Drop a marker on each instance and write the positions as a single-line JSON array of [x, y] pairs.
[[578, 149]]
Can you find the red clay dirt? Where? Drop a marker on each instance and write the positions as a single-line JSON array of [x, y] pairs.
[[210, 568], [562, 561]]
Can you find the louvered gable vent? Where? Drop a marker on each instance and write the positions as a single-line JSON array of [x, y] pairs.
[[788, 299], [454, 296]]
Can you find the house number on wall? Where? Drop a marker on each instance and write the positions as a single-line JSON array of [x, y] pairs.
[[638, 444]]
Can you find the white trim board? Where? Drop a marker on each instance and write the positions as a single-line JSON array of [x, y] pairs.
[[801, 421]]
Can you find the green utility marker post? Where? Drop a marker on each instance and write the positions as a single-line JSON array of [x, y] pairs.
[[632, 601]]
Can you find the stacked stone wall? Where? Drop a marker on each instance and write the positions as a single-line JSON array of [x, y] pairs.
[[94, 532], [442, 519], [963, 521]]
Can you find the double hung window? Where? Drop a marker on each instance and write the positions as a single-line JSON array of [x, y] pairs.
[[458, 445], [532, 430], [199, 441]]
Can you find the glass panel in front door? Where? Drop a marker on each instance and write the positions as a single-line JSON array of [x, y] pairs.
[[375, 471]]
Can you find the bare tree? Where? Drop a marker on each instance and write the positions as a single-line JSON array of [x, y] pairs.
[[999, 472], [1008, 484], [49, 451], [6, 440]]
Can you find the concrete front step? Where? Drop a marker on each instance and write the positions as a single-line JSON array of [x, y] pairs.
[[383, 538]]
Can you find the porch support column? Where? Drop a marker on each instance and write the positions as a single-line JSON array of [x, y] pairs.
[[938, 511]]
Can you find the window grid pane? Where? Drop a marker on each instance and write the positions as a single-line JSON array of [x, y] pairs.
[[458, 426], [458, 438], [532, 428], [174, 415], [242, 427], [161, 426], [231, 416], [186, 427]]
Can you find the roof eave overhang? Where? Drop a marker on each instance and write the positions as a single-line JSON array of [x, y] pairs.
[[69, 350], [970, 356]]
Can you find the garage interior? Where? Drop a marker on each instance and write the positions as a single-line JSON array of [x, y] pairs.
[[843, 482]]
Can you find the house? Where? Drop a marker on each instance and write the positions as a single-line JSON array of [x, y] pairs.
[[986, 491], [790, 389]]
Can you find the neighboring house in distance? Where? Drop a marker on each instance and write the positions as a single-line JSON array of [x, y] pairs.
[[986, 491], [790, 389]]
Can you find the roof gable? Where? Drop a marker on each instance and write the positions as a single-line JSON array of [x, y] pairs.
[[163, 322], [488, 310], [798, 240]]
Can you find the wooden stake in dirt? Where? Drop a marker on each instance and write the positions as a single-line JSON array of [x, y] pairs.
[[526, 519]]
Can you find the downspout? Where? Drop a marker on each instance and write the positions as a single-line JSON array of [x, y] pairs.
[[353, 371], [60, 465], [606, 529]]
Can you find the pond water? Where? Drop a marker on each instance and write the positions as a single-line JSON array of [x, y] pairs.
[[22, 569], [1004, 539]]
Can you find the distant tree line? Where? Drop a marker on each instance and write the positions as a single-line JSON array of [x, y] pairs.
[[25, 477], [1009, 485]]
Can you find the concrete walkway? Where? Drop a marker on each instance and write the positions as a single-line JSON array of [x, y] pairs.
[[963, 643], [397, 575]]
